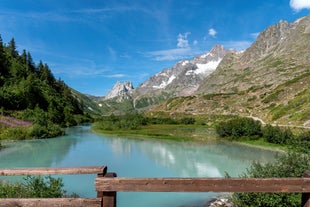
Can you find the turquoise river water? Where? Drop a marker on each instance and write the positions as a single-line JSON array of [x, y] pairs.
[[133, 158]]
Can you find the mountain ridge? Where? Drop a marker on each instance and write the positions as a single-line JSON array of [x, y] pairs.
[[182, 79], [269, 80]]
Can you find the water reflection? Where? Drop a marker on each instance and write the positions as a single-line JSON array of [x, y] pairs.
[[36, 153], [133, 158], [193, 160]]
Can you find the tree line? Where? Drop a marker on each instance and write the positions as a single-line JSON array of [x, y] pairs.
[[134, 121], [30, 92], [247, 128]]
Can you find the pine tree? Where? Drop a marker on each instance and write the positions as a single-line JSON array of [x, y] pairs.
[[3, 62], [12, 49]]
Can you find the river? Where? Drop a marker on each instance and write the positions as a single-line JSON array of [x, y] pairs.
[[133, 158]]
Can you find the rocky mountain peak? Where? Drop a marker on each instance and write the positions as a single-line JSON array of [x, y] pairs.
[[268, 39], [120, 90], [279, 53], [216, 53], [184, 77]]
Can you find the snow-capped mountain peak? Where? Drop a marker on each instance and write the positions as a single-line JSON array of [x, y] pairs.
[[187, 73]]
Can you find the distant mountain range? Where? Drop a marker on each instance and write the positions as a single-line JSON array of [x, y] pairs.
[[269, 80], [182, 79]]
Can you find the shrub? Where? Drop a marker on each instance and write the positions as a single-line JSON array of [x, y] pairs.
[[187, 120], [155, 120], [274, 134], [239, 127], [301, 142], [34, 187], [127, 122], [18, 133], [51, 130], [288, 165]]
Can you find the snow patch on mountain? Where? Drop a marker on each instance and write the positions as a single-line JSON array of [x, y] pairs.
[[205, 68], [185, 62], [165, 83]]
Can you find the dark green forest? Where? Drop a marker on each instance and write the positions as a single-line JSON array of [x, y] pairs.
[[31, 93]]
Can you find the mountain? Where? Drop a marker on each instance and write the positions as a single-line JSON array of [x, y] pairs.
[[278, 53], [120, 91], [182, 79], [269, 80]]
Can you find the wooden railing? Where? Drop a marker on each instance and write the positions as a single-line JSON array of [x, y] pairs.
[[108, 184], [52, 202]]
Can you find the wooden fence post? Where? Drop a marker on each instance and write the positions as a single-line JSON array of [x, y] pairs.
[[305, 197], [109, 198], [101, 174]]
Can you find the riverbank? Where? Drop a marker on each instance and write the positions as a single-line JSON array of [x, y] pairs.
[[165, 132], [185, 133]]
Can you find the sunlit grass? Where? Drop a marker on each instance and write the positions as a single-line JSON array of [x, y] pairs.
[[167, 132], [263, 144]]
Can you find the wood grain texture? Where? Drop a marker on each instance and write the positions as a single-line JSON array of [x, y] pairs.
[[49, 171], [203, 184], [50, 202]]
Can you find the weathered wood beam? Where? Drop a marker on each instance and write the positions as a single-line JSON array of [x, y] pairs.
[[49, 171], [203, 184], [51, 202]]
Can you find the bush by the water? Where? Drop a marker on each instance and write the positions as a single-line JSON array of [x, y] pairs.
[[34, 187], [288, 165], [301, 142], [239, 127], [30, 132], [134, 121], [274, 134], [126, 122]]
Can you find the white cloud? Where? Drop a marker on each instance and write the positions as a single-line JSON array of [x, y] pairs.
[[182, 40], [112, 53], [171, 54], [182, 51], [212, 32], [298, 5], [237, 45], [119, 75], [77, 71], [254, 35]]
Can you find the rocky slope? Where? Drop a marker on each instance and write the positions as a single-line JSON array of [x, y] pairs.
[[270, 80]]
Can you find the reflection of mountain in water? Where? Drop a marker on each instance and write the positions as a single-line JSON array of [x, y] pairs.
[[129, 156], [194, 160]]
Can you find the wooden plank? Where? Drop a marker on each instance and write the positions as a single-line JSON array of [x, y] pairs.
[[51, 202], [49, 171], [203, 184]]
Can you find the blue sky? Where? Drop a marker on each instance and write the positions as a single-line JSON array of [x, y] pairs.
[[92, 44]]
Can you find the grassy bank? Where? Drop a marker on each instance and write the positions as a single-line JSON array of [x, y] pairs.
[[165, 132], [261, 143], [235, 129], [184, 133]]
